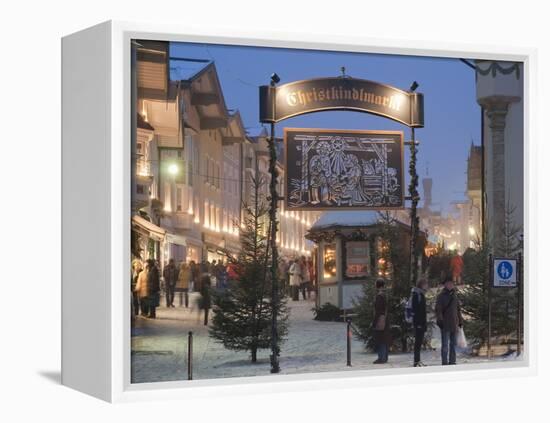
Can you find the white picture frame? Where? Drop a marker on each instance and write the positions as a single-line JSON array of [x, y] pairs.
[[96, 126]]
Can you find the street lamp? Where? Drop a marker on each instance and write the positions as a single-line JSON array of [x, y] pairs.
[[173, 169]]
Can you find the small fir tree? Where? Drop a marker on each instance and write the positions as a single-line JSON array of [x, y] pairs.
[[477, 274], [242, 312]]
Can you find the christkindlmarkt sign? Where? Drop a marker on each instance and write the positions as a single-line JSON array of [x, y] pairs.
[[331, 168], [341, 93]]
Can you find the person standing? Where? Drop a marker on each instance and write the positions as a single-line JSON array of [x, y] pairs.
[[457, 264], [420, 321], [153, 283], [449, 319], [295, 273], [380, 323], [304, 283], [205, 300], [170, 274], [311, 273], [219, 272], [137, 267], [183, 282], [232, 271], [194, 281], [142, 290]]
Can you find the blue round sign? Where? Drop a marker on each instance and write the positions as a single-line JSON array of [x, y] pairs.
[[505, 270]]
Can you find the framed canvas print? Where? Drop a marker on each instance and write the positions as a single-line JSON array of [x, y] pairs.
[[254, 213]]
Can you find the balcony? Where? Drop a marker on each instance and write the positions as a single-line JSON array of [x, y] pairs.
[[142, 194], [183, 220]]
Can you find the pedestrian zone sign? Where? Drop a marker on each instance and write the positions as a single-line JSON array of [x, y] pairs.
[[504, 273]]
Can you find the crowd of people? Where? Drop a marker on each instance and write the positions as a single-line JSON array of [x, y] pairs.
[[447, 314], [177, 280]]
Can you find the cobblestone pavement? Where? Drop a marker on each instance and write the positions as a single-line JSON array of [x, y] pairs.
[[159, 348]]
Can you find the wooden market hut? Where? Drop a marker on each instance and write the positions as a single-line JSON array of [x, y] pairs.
[[349, 253]]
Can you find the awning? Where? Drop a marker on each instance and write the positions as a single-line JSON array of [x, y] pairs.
[[176, 239], [153, 231]]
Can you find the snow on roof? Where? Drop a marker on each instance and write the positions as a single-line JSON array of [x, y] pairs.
[[348, 218]]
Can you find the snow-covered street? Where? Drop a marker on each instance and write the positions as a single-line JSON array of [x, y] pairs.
[[159, 348]]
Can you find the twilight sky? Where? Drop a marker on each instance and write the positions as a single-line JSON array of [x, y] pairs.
[[451, 114]]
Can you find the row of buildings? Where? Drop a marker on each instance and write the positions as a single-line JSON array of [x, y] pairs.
[[494, 203], [193, 163]]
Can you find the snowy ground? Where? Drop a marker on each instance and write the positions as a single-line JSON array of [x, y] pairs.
[[159, 348]]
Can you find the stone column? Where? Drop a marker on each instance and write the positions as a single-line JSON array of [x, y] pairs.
[[496, 109]]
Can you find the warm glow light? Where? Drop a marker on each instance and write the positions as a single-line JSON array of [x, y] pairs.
[[472, 230], [173, 169]]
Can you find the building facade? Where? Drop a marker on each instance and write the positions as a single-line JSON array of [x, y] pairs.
[[194, 163]]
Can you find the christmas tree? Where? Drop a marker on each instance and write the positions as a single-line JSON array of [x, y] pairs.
[[475, 296], [242, 312]]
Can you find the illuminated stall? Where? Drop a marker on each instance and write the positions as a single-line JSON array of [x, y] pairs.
[[350, 253]]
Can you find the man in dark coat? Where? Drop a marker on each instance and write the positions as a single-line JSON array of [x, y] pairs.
[[380, 323], [449, 319], [420, 323], [205, 301], [170, 274], [153, 282]]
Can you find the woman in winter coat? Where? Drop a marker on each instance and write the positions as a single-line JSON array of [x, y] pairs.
[[380, 323], [420, 323], [142, 291], [295, 273], [182, 284]]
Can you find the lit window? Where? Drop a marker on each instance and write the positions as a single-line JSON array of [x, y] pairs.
[[357, 259], [329, 261]]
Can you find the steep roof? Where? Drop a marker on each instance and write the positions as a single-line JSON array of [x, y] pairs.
[[187, 70]]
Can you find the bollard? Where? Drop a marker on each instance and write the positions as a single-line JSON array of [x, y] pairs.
[[349, 342], [348, 318], [190, 356]]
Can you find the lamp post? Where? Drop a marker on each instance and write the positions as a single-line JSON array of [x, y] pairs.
[[414, 197], [274, 359]]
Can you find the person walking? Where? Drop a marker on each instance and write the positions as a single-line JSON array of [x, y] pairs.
[[183, 282], [170, 274], [380, 323], [420, 321], [205, 299], [304, 283], [295, 273], [449, 319], [153, 283], [142, 290]]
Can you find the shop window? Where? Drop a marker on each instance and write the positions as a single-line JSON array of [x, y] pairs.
[[329, 261], [357, 259]]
